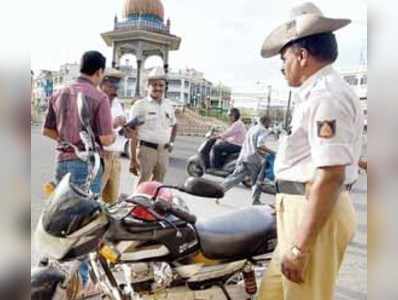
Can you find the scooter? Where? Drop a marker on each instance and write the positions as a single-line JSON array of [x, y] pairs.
[[199, 164], [156, 243]]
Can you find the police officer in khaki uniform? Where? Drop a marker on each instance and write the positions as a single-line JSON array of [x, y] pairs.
[[316, 163], [111, 154], [156, 136]]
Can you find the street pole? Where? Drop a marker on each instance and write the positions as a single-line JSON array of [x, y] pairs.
[[269, 100], [137, 84]]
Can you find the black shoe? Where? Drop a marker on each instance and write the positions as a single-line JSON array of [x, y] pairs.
[[257, 202]]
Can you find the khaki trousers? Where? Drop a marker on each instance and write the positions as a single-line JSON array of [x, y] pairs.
[[153, 163], [326, 256], [111, 178]]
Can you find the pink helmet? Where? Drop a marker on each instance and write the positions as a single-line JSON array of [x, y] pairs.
[[149, 188]]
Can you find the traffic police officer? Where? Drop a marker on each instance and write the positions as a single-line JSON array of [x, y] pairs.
[[111, 154], [156, 136], [316, 163]]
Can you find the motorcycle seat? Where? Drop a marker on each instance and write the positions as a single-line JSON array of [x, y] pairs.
[[240, 234]]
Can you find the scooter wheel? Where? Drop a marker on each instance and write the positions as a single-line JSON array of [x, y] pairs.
[[194, 169]]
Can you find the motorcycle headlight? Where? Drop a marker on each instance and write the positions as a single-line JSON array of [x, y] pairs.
[[58, 247], [49, 245]]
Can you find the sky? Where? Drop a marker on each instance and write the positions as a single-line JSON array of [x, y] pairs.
[[221, 38]]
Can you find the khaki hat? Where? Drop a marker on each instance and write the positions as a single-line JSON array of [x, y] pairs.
[[305, 19], [113, 73], [157, 73]]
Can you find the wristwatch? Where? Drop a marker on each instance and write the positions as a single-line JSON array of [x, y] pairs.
[[169, 146]]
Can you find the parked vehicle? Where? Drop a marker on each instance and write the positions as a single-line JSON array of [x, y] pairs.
[[199, 164], [150, 237]]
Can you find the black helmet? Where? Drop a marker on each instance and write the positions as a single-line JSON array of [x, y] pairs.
[[71, 225], [70, 209]]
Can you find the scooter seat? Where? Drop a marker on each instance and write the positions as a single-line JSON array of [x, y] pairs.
[[241, 234]]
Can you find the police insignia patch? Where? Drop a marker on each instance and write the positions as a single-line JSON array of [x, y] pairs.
[[326, 129]]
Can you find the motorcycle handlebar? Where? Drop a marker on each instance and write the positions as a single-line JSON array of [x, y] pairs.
[[167, 207]]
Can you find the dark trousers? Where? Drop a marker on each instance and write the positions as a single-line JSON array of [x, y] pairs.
[[220, 151], [242, 170]]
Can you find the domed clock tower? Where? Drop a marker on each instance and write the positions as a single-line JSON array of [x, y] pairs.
[[143, 33]]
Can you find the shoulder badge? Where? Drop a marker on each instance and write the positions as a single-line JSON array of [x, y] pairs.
[[326, 129]]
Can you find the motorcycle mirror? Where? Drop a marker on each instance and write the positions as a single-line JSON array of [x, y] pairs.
[[83, 110], [203, 188]]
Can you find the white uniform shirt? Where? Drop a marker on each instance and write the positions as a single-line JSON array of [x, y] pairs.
[[255, 138], [159, 119], [116, 111], [327, 127]]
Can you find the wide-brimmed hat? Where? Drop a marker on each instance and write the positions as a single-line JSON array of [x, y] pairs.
[[113, 73], [157, 73], [305, 19], [113, 76]]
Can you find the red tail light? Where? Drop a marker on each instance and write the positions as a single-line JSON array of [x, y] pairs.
[[142, 214]]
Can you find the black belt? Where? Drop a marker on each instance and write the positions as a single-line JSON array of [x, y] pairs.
[[296, 188], [68, 149], [150, 145]]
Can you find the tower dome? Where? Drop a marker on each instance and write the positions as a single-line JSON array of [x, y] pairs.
[[143, 7]]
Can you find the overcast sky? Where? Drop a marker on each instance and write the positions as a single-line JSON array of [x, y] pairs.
[[221, 38]]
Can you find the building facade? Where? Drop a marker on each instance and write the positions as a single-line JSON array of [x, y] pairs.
[[47, 82], [253, 104], [42, 87], [357, 78], [220, 98], [186, 87]]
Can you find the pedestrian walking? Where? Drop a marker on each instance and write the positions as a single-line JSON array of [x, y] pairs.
[[251, 158]]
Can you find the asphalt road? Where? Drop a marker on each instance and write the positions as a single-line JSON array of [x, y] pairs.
[[352, 283]]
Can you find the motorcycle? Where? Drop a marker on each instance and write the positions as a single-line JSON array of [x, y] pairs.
[[199, 164], [145, 243]]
